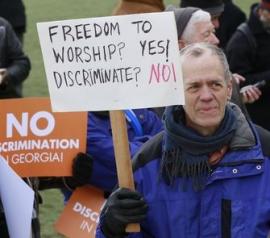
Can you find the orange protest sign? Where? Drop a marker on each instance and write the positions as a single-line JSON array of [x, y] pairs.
[[37, 142], [81, 214]]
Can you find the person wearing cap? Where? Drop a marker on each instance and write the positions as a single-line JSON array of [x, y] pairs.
[[248, 54], [206, 174], [225, 15], [193, 25]]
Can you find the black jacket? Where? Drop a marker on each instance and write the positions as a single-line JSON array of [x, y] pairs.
[[230, 19], [14, 12], [253, 64], [12, 58]]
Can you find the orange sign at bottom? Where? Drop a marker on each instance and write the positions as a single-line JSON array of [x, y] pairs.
[[81, 214]]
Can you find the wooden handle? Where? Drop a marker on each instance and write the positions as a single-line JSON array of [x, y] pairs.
[[122, 156]]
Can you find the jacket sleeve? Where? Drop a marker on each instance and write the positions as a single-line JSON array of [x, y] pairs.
[[100, 146], [241, 59], [18, 64]]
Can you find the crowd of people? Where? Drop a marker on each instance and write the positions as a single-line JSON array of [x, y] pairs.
[[201, 169]]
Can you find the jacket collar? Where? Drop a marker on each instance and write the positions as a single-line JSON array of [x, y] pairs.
[[245, 157], [244, 136]]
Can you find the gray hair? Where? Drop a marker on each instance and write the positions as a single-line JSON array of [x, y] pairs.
[[190, 30], [197, 50]]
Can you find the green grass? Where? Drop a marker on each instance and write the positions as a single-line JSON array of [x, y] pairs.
[[50, 10], [35, 85]]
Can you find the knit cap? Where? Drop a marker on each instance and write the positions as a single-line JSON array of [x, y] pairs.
[[182, 17]]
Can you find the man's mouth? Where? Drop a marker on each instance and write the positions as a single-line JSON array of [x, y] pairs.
[[207, 109]]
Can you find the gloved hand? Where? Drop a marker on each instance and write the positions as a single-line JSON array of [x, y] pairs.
[[81, 171], [124, 206]]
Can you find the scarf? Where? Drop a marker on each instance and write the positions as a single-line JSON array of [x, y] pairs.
[[186, 153]]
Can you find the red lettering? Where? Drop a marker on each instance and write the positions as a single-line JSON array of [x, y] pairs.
[[162, 72], [155, 71]]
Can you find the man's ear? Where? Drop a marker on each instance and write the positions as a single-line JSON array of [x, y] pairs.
[[181, 44], [230, 88]]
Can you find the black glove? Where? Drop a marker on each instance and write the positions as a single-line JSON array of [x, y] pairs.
[[124, 206], [81, 171]]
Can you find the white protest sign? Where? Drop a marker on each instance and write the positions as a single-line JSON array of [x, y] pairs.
[[17, 199], [110, 63]]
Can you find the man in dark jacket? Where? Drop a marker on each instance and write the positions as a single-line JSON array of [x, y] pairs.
[[14, 12], [14, 64], [207, 174], [248, 54]]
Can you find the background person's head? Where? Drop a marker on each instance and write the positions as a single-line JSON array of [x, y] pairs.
[[199, 29], [207, 86], [264, 13], [193, 25], [214, 7]]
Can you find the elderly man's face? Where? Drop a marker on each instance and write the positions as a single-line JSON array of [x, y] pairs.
[[205, 32], [206, 92]]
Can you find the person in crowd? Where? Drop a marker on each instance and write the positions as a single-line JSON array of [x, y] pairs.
[[248, 52], [193, 25], [14, 64], [206, 175], [14, 12], [138, 6], [142, 124], [229, 20]]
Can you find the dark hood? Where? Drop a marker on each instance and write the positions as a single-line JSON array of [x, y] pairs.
[[254, 22]]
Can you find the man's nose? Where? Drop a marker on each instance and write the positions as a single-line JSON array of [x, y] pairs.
[[206, 93]]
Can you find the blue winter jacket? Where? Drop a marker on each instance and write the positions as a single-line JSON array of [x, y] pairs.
[[100, 144], [234, 204]]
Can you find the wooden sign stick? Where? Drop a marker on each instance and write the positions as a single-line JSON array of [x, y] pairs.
[[122, 156]]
